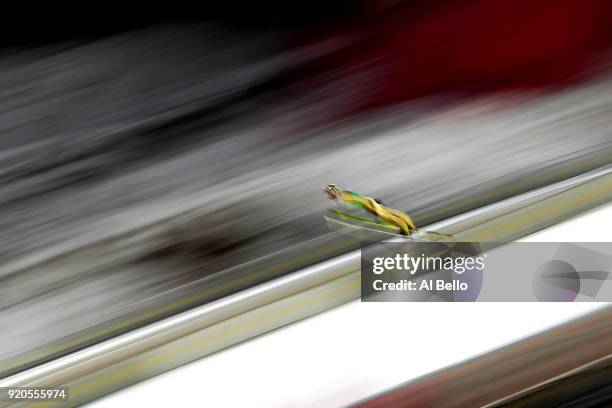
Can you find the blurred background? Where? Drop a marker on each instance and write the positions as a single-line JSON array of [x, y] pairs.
[[153, 163]]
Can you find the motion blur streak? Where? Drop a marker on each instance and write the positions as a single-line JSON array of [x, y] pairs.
[[169, 165], [418, 48], [522, 374]]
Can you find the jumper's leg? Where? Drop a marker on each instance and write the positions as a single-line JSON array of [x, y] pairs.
[[401, 223], [405, 220]]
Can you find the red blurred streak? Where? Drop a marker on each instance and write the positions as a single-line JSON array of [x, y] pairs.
[[418, 48]]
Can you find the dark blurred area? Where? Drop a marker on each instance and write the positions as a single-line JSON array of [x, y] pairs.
[[150, 163], [59, 22]]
